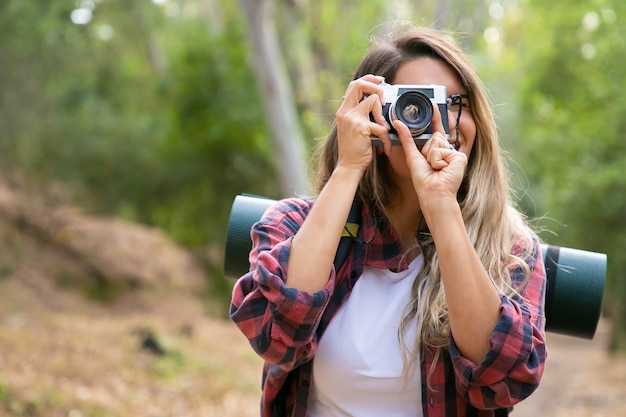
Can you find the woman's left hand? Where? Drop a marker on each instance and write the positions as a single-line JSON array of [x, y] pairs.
[[438, 168]]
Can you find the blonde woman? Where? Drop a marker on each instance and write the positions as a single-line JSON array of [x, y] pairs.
[[438, 308]]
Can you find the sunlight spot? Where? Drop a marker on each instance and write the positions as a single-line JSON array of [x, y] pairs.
[[496, 10], [81, 16], [591, 21], [159, 2], [588, 51], [491, 35], [609, 15], [105, 32]]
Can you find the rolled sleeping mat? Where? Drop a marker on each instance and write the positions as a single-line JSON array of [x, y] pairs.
[[246, 210], [574, 292], [575, 278]]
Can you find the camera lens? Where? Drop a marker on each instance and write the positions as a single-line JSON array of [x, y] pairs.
[[411, 113], [413, 109]]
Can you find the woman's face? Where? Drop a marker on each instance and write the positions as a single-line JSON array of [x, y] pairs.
[[426, 70]]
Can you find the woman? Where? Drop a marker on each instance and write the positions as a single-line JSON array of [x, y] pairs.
[[438, 308]]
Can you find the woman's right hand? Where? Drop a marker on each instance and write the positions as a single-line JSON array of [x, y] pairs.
[[314, 246], [364, 97]]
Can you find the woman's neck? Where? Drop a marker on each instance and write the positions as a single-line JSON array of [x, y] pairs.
[[405, 217]]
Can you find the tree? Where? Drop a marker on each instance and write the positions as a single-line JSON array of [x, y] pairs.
[[573, 114], [150, 110], [302, 55], [277, 95]]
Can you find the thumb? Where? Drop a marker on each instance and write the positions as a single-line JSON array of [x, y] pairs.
[[414, 157]]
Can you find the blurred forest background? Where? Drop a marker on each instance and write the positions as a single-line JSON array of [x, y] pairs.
[[159, 112]]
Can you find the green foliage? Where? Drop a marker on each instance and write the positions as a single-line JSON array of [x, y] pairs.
[[139, 115], [152, 113], [20, 404], [159, 122], [80, 123], [573, 111], [216, 143]]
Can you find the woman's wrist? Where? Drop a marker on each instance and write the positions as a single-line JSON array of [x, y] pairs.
[[440, 209], [348, 173]]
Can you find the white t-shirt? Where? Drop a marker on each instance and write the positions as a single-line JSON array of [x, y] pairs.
[[357, 370]]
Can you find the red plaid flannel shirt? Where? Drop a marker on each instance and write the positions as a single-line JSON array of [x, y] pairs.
[[283, 325]]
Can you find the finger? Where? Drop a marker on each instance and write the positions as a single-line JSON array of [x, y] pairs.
[[367, 108], [375, 109], [437, 152], [380, 127], [408, 144], [438, 158], [437, 140], [436, 122], [377, 80], [382, 134], [361, 87]]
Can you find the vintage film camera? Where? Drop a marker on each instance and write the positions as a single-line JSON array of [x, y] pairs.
[[412, 105]]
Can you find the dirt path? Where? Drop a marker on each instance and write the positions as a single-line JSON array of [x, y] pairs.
[[63, 355], [580, 380]]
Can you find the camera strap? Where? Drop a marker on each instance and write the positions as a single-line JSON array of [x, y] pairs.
[[350, 231]]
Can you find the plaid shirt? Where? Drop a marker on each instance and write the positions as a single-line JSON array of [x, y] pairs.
[[283, 324]]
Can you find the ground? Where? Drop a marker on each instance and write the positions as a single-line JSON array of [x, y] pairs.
[[158, 353], [580, 380]]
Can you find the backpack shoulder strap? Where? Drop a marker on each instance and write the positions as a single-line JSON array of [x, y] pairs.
[[350, 230]]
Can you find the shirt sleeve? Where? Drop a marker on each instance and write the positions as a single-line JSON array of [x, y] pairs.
[[513, 367], [279, 322]]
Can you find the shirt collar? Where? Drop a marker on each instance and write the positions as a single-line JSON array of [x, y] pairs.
[[384, 250]]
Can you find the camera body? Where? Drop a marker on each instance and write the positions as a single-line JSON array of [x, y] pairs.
[[412, 105]]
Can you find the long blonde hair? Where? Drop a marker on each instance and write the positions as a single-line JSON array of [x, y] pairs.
[[491, 221]]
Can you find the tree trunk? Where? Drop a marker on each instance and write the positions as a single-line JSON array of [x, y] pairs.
[[278, 99]]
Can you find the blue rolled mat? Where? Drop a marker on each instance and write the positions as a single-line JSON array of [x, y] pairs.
[[575, 278]]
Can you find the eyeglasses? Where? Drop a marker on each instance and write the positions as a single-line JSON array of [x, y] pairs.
[[456, 103]]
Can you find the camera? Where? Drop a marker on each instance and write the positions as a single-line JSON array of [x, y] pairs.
[[412, 105]]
